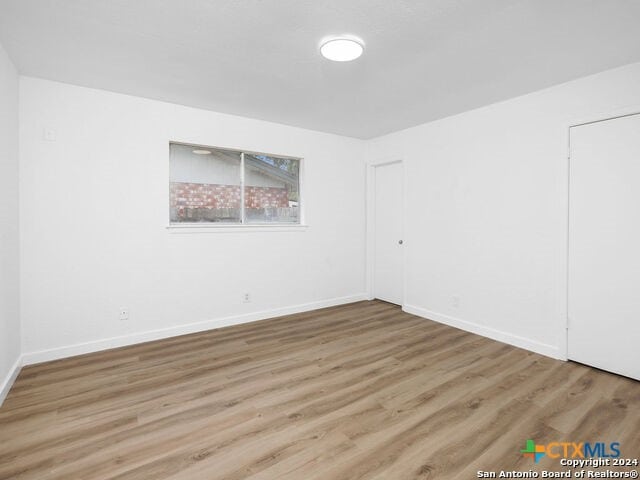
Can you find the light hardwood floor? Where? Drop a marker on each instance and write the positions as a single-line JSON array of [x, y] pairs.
[[362, 391]]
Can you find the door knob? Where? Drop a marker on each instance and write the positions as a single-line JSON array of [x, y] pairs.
[[400, 242]]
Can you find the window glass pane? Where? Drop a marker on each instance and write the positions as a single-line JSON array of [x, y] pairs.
[[204, 184], [271, 192]]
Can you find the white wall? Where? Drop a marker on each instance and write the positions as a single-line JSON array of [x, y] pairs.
[[94, 210], [486, 218], [9, 248], [486, 209]]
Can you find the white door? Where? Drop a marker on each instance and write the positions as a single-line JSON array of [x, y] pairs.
[[604, 245], [388, 283]]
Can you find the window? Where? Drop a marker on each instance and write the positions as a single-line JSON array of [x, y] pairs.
[[213, 185]]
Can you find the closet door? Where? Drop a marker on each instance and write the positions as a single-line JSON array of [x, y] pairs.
[[604, 245], [388, 280]]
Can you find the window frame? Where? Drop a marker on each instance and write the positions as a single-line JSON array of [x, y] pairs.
[[201, 227]]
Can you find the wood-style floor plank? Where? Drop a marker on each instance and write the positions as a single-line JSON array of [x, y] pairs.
[[360, 391]]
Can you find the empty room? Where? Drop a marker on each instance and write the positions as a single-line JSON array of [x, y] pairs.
[[319, 240]]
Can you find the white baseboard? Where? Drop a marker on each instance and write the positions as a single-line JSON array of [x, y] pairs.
[[522, 342], [7, 383], [141, 337]]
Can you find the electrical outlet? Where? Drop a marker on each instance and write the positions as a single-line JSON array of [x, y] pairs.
[[124, 313], [49, 135], [246, 298], [455, 301]]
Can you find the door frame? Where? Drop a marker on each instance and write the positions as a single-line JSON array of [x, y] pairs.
[[564, 198], [371, 166]]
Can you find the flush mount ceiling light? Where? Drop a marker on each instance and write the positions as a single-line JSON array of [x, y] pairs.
[[202, 152], [342, 49]]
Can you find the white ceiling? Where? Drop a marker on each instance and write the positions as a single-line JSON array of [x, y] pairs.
[[424, 59]]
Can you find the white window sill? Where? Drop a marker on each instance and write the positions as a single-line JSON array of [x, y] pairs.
[[209, 228]]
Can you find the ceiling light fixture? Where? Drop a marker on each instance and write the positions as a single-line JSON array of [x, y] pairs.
[[202, 152], [342, 49]]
